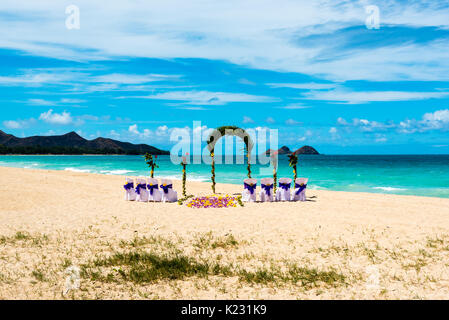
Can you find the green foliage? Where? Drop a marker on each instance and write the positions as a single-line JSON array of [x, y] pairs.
[[151, 162], [292, 162], [184, 178], [222, 131], [182, 200]]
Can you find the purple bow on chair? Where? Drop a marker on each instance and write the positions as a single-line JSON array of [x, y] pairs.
[[140, 186], [250, 187], [152, 187], [300, 188], [284, 186], [165, 188], [267, 188], [128, 186]]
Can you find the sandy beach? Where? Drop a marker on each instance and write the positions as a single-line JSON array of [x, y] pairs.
[[336, 245]]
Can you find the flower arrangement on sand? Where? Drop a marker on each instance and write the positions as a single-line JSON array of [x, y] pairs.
[[215, 201]]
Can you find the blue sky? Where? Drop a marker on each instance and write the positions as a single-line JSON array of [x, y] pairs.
[[136, 71]]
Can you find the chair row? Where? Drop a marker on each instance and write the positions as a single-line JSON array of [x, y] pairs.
[[148, 190], [283, 192]]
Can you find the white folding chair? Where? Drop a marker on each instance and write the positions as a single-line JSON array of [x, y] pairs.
[[130, 193], [266, 194], [283, 192], [249, 190], [154, 194], [141, 190], [167, 192], [300, 189]]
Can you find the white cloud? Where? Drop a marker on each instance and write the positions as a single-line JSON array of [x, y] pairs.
[[38, 77], [269, 38], [40, 102], [146, 133], [60, 102], [133, 129], [308, 86], [63, 118], [367, 125], [121, 78], [292, 122], [162, 130], [440, 116], [355, 97], [247, 120], [206, 97], [380, 138], [294, 106], [270, 120], [18, 124], [438, 120]]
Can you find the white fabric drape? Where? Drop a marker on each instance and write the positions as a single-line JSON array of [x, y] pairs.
[[283, 193], [141, 190], [302, 183], [130, 192], [154, 192], [167, 192], [247, 195], [267, 190]]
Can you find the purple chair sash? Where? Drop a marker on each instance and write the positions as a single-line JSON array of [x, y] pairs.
[[284, 186], [267, 188], [128, 186], [300, 188], [249, 187], [152, 187], [140, 186], [165, 188]]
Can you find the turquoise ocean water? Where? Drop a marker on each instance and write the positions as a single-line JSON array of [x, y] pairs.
[[426, 175]]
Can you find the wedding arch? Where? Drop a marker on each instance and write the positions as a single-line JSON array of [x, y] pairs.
[[220, 132]]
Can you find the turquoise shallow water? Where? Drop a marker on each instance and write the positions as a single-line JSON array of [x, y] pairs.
[[426, 175]]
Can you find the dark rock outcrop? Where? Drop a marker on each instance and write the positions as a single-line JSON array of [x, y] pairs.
[[306, 150], [282, 150]]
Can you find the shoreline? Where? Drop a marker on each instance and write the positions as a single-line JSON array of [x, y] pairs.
[[220, 183]]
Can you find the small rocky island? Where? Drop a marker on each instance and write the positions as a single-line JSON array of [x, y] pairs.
[[302, 150]]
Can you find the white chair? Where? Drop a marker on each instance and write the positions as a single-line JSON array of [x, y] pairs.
[[167, 192], [154, 194], [249, 190], [141, 190], [300, 189], [283, 192], [266, 194], [130, 193]]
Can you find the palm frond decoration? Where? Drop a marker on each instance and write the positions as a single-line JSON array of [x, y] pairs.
[[292, 162], [184, 175], [151, 162]]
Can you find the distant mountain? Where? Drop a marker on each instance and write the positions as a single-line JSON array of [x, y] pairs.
[[306, 150], [286, 150], [282, 150], [71, 143]]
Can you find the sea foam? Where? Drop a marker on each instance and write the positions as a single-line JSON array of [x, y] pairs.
[[77, 170], [389, 189]]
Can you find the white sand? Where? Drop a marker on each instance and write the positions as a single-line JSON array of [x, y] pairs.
[[387, 246]]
